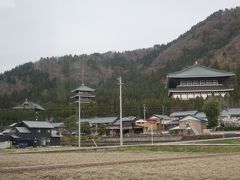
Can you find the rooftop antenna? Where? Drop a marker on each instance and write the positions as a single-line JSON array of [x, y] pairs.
[[83, 75]]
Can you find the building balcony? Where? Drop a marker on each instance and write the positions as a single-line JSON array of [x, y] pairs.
[[200, 88]]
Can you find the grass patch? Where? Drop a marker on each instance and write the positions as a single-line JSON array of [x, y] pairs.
[[225, 141], [7, 150], [179, 148]]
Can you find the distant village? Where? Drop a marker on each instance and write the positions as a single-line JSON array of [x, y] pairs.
[[189, 83]]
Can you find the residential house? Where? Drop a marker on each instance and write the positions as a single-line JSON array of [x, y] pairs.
[[230, 117], [181, 114], [165, 122], [190, 125], [32, 133], [94, 122], [113, 129], [59, 127], [147, 126]]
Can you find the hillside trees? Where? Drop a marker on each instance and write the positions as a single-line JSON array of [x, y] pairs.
[[236, 94], [50, 80]]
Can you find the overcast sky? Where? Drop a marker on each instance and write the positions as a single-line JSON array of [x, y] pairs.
[[31, 29]]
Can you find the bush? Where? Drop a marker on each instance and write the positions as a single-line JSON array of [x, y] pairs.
[[228, 128], [68, 140]]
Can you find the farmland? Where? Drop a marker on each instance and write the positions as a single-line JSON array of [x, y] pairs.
[[129, 163]]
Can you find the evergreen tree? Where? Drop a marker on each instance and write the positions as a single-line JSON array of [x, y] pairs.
[[212, 111]]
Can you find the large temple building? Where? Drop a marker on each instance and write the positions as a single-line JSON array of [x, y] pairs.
[[198, 81]]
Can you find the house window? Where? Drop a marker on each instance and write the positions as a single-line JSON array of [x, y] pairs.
[[215, 81], [48, 131], [183, 83], [195, 83], [189, 83], [202, 82], [208, 82]]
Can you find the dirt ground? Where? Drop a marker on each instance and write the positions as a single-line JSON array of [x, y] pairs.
[[119, 165]]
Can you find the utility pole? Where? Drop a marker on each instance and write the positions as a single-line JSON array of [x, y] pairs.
[[152, 132], [120, 99], [79, 120], [144, 111], [163, 119]]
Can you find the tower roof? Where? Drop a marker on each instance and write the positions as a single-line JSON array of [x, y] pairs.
[[83, 88], [198, 70]]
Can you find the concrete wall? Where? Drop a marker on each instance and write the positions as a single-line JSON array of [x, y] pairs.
[[146, 138], [204, 95], [4, 145]]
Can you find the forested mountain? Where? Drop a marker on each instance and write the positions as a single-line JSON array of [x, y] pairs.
[[214, 42]]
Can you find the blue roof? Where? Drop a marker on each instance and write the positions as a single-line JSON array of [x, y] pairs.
[[231, 112], [183, 113], [161, 116], [201, 115], [97, 120], [194, 117]]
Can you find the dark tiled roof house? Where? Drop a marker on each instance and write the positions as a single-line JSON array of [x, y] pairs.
[[32, 133]]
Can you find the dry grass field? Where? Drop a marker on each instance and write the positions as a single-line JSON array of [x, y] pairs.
[[120, 165]]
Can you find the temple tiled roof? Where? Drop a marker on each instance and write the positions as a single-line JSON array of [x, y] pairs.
[[198, 70], [29, 105], [83, 88]]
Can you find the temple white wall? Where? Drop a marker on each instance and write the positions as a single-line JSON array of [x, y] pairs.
[[204, 95]]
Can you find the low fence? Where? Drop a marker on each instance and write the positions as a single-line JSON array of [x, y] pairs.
[[114, 141], [146, 139], [212, 136]]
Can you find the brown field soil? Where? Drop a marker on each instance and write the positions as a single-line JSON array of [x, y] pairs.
[[120, 165]]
